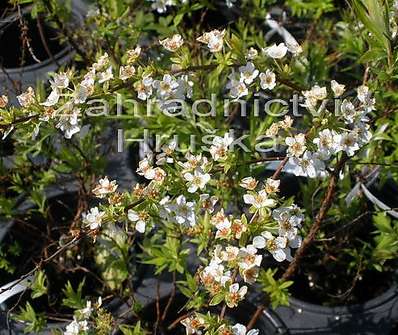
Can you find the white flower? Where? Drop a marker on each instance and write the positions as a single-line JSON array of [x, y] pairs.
[[145, 168], [259, 200], [267, 80], [239, 329], [105, 187], [235, 295], [248, 73], [248, 257], [86, 311], [133, 54], [276, 51], [69, 121], [184, 212], [289, 220], [106, 75], [140, 219], [349, 142], [213, 39], [215, 272], [314, 95], [159, 175], [102, 62], [363, 133], [338, 89], [166, 155], [251, 54], [248, 183], [208, 202], [277, 246], [52, 99], [349, 112], [81, 93], [126, 72], [296, 145], [167, 86], [161, 5], [223, 229], [328, 142], [172, 44], [294, 48], [197, 180], [193, 162], [219, 218], [363, 93], [220, 146], [76, 327], [308, 165], [27, 98], [93, 218], [272, 185], [60, 81], [144, 88], [237, 87], [193, 324]]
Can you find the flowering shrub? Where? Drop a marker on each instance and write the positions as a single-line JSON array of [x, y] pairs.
[[209, 212]]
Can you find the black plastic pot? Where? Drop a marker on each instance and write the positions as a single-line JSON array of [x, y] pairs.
[[375, 317], [13, 78]]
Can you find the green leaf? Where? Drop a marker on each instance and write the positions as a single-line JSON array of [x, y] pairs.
[[217, 299], [39, 286], [35, 322], [73, 299]]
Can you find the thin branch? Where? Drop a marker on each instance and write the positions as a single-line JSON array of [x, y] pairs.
[[255, 317], [325, 206], [171, 298]]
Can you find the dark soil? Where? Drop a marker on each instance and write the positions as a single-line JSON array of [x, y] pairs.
[[14, 54], [328, 275], [36, 238]]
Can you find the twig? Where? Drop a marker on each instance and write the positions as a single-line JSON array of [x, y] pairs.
[[255, 317], [178, 320], [171, 298], [46, 260], [44, 41], [280, 168], [325, 206], [157, 307]]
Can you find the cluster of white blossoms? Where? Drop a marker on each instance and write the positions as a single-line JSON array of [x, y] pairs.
[[165, 90], [239, 82], [196, 324], [173, 43], [80, 324], [65, 103], [310, 156], [235, 260], [214, 40]]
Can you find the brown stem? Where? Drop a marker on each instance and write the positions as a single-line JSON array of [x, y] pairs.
[[178, 320], [157, 308], [171, 298], [44, 41], [325, 206], [255, 317], [280, 168]]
